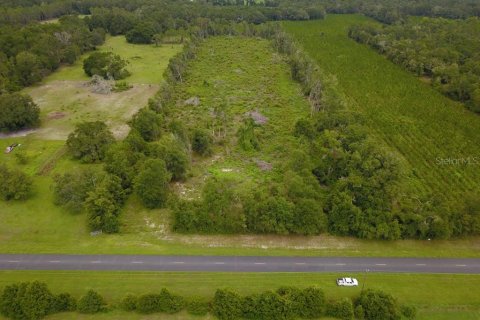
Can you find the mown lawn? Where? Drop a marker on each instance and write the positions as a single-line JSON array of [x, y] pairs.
[[419, 124], [433, 295]]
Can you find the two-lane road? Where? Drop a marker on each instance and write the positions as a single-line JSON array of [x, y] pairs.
[[235, 263]]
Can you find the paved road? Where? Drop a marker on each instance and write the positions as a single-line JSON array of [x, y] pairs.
[[235, 264]]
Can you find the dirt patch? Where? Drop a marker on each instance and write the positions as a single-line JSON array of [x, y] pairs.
[[63, 104], [257, 117], [55, 115], [263, 165], [16, 134]]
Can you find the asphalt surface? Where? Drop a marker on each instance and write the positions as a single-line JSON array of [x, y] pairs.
[[235, 263]]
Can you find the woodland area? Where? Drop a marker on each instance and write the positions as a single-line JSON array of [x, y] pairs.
[[445, 51]]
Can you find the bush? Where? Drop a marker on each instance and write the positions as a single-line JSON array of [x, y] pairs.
[[151, 183], [27, 301], [148, 303], [170, 303], [377, 304], [107, 65], [148, 124], [198, 307], [91, 303], [267, 305], [409, 312], [121, 160], [64, 302], [163, 302], [90, 141], [71, 189], [15, 185], [307, 303], [170, 150], [18, 111], [202, 142], [129, 303], [342, 309], [227, 305]]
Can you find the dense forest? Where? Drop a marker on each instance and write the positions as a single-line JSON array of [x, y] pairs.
[[445, 51]]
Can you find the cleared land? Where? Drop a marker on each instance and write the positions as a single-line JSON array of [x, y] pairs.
[[65, 98], [233, 77], [248, 81], [448, 295], [420, 124]]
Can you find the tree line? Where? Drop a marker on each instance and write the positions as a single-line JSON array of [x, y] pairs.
[[445, 51], [34, 300]]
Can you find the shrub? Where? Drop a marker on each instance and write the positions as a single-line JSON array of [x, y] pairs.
[[377, 304], [342, 309], [18, 111], [64, 302], [90, 141], [227, 305], [15, 184], [148, 303], [202, 142], [27, 301], [307, 303], [269, 306], [121, 161], [408, 312], [91, 302], [170, 303], [170, 150], [129, 303], [198, 307], [148, 124], [71, 189]]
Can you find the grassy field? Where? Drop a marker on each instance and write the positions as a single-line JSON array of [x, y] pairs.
[[237, 76], [418, 123], [434, 295], [146, 63], [65, 99], [225, 68]]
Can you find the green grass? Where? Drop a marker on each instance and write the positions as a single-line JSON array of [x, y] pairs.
[[65, 99], [146, 62], [414, 120], [244, 75], [432, 294], [38, 226]]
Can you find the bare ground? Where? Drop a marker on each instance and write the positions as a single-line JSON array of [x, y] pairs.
[[66, 103]]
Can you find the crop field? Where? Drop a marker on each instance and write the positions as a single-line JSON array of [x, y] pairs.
[[65, 98], [433, 294], [226, 68], [436, 138]]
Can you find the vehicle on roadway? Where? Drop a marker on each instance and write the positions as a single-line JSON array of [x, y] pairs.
[[347, 282]]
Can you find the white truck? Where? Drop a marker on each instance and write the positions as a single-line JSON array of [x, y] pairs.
[[347, 282]]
